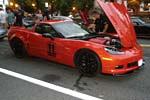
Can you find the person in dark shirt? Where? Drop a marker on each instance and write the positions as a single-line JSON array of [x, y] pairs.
[[19, 14], [47, 13], [101, 23]]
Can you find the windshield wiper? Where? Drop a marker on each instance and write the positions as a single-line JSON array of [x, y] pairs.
[[94, 35], [75, 37], [82, 37], [88, 36]]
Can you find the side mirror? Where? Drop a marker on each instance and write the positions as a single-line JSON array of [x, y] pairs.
[[48, 35]]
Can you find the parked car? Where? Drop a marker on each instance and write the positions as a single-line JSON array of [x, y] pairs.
[[61, 18], [28, 21], [3, 33], [68, 43], [142, 28]]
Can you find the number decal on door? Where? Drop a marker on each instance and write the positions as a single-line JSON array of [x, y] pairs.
[[51, 49]]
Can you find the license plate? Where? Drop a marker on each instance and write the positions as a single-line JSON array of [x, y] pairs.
[[140, 62]]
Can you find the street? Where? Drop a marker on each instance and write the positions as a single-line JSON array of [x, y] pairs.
[[132, 86]]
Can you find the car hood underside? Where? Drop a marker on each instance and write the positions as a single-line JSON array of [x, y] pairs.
[[118, 16]]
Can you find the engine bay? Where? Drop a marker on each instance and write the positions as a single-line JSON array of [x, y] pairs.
[[108, 40]]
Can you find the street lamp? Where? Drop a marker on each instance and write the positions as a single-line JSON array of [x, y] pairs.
[[11, 3], [73, 8], [46, 4], [33, 4], [16, 5]]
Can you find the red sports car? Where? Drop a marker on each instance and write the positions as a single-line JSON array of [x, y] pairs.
[[68, 43]]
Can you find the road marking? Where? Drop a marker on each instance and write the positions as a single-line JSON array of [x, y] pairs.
[[49, 85], [145, 45]]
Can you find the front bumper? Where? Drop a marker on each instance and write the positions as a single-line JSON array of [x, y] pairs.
[[126, 70], [122, 64]]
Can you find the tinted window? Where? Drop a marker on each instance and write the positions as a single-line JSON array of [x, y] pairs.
[[38, 29], [45, 28]]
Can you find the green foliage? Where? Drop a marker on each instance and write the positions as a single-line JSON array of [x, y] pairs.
[[64, 6], [25, 4], [83, 4]]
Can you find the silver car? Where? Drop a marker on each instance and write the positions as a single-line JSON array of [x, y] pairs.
[[3, 33]]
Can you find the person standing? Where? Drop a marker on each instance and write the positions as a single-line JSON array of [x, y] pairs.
[[47, 13], [101, 24], [3, 16], [10, 18], [39, 15], [19, 14]]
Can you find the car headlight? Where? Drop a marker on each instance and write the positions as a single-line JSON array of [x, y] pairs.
[[114, 51]]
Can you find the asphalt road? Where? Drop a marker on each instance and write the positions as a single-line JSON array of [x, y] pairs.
[[133, 86]]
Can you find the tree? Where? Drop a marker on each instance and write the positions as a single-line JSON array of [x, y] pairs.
[[83, 7], [25, 4], [64, 6], [84, 4]]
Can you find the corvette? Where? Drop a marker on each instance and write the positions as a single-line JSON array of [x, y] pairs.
[[68, 43]]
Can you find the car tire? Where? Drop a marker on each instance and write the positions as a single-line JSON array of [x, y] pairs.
[[88, 63], [18, 48]]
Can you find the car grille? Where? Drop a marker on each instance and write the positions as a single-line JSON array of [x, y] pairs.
[[132, 64]]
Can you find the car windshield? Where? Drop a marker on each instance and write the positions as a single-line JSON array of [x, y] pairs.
[[70, 29]]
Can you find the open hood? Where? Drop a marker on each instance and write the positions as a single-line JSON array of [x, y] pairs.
[[118, 16]]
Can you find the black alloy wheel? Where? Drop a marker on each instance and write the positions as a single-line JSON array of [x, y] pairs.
[[18, 48], [88, 63]]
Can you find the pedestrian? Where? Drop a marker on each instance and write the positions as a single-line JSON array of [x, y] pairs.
[[37, 20], [39, 15], [3, 16], [19, 15], [47, 13], [10, 18], [100, 25]]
